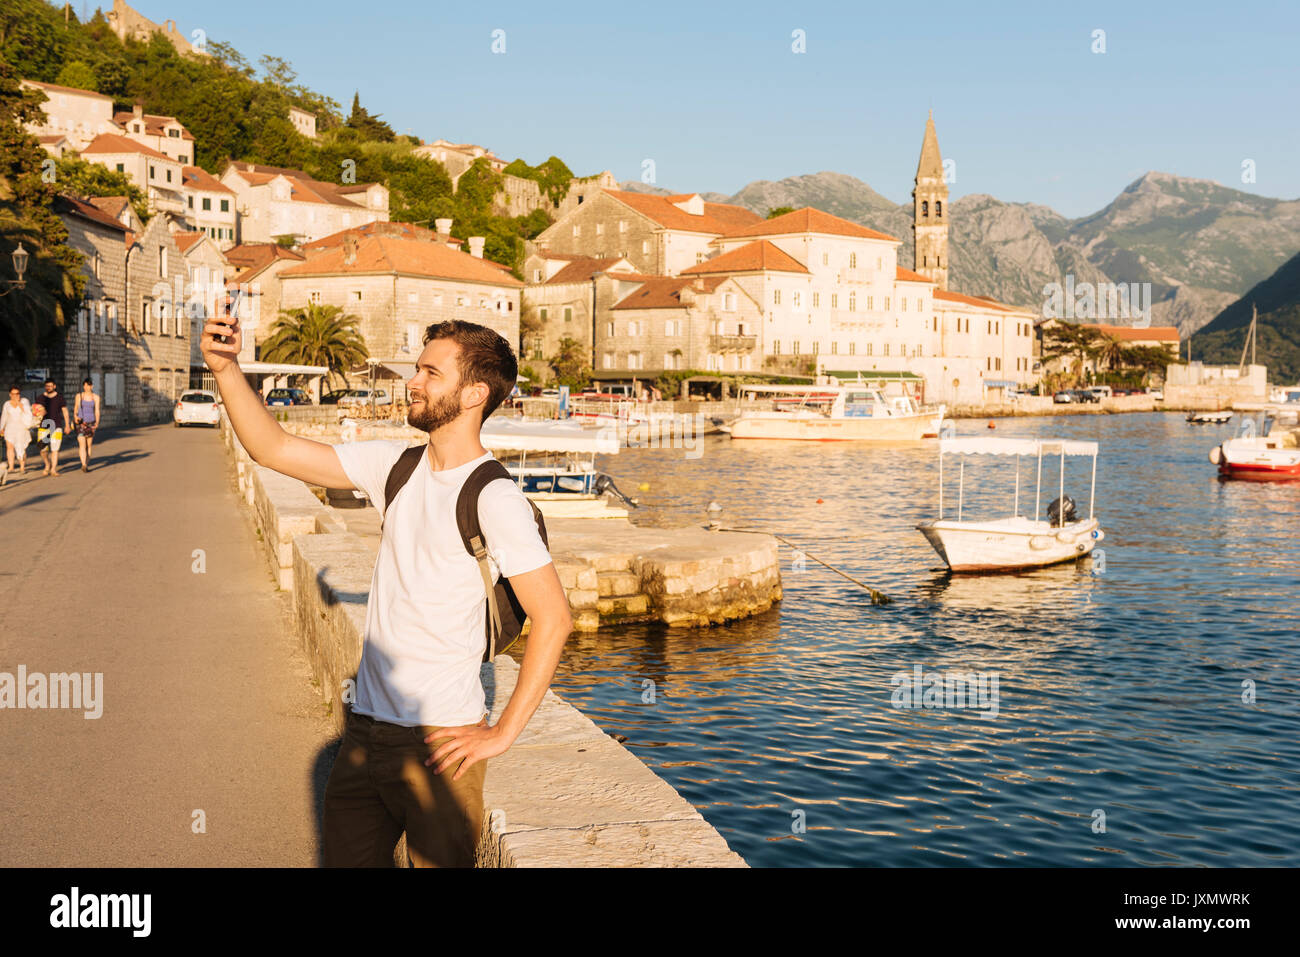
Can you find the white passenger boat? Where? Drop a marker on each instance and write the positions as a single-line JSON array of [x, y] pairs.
[[1016, 542], [829, 412], [554, 462]]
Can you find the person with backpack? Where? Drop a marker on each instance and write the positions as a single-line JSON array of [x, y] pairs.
[[417, 741]]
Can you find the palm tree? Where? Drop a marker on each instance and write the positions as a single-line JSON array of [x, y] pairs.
[[1110, 352], [316, 335]]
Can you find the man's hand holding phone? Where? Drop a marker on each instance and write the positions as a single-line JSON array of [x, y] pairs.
[[220, 343]]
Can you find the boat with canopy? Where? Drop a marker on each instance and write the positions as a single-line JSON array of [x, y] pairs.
[[1015, 542]]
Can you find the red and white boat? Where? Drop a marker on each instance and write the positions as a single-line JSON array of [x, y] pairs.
[[1258, 458]]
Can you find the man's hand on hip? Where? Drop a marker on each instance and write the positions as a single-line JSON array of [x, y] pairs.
[[472, 742]]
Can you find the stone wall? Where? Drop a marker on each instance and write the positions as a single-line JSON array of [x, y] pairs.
[[565, 794]]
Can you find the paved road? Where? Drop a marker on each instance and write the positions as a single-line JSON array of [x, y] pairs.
[[207, 704]]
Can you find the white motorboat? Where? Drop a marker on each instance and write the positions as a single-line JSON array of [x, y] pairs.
[[1269, 456], [1016, 542], [554, 462], [830, 412], [1209, 418]]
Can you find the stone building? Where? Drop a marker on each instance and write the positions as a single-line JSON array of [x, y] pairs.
[[253, 270], [163, 134], [77, 115], [95, 345], [304, 121], [397, 287], [209, 206], [274, 202], [678, 322], [205, 285], [659, 235], [158, 175], [929, 219], [559, 301], [128, 23], [157, 328]]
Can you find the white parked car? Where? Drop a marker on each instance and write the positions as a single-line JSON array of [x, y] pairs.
[[197, 407], [362, 397]]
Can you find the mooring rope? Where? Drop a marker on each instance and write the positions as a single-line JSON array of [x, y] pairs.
[[877, 597]]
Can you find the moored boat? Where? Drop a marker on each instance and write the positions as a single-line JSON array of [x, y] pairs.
[[1268, 457], [830, 412], [1209, 418], [1016, 542]]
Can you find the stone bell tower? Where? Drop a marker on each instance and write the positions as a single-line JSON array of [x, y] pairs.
[[930, 211]]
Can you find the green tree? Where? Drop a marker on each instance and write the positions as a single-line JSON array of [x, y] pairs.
[[367, 124], [570, 364], [316, 335], [78, 75], [1064, 340], [776, 211]]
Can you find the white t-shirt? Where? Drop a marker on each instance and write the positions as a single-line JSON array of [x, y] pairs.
[[425, 621]]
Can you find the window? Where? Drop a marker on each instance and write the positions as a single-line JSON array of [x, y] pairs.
[[670, 327], [121, 168], [634, 360], [314, 297], [776, 297], [728, 302], [609, 328], [869, 348], [413, 297], [225, 205], [356, 295], [152, 171], [795, 347], [622, 225], [633, 328], [938, 210], [207, 204], [183, 159], [852, 347], [189, 201], [886, 352], [834, 347], [998, 364], [794, 300], [903, 305], [925, 210], [146, 316], [541, 313], [699, 258], [816, 300], [169, 176], [607, 360], [568, 313], [826, 259], [669, 359], [460, 299], [112, 317], [871, 303], [577, 231], [853, 260], [162, 261], [776, 347], [600, 229], [645, 247], [174, 133], [853, 302], [886, 304], [835, 300], [82, 313]]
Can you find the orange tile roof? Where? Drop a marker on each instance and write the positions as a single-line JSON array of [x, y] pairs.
[[752, 257], [906, 275], [196, 177], [1136, 333], [399, 230], [718, 218], [386, 254], [185, 239], [582, 269], [665, 292], [259, 255], [302, 188], [809, 220], [113, 205], [114, 143], [67, 89], [154, 124], [946, 295], [80, 207]]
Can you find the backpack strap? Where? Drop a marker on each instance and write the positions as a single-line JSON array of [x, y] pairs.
[[400, 474], [471, 534]]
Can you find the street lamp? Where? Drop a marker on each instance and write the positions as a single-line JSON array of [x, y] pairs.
[[20, 258]]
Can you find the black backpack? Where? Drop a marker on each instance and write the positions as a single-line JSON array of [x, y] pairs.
[[505, 616]]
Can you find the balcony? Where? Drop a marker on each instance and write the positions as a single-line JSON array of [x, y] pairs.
[[732, 343]]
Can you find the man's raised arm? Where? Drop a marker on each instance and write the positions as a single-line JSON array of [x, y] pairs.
[[266, 443]]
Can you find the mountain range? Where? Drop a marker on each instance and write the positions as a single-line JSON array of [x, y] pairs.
[[1201, 245], [1277, 337]]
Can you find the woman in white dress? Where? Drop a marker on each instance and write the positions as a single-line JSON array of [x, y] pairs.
[[15, 426]]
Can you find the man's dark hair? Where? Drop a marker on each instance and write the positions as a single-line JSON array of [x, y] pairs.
[[51, 382], [485, 357]]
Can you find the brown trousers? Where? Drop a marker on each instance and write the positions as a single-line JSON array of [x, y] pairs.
[[379, 787]]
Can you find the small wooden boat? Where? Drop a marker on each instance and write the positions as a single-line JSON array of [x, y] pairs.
[[1016, 542]]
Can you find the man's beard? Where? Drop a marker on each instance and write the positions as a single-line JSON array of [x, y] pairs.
[[434, 415]]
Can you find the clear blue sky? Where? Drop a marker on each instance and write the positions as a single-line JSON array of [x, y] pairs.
[[714, 95]]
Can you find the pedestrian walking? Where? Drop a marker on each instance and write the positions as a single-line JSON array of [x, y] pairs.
[[415, 751], [87, 416], [56, 411], [15, 427]]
